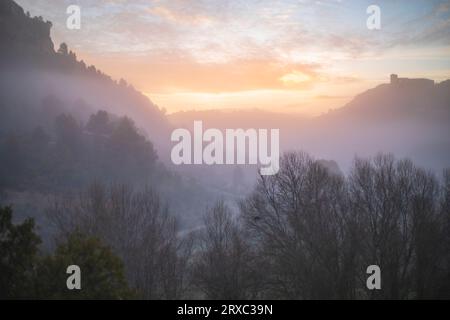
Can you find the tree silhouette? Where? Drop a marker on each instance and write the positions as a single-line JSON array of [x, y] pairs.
[[102, 273], [18, 252], [63, 49], [225, 266]]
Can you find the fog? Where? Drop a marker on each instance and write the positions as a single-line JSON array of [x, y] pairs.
[[82, 95], [86, 176], [407, 122]]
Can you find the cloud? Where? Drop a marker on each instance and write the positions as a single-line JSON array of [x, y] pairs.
[[231, 46], [180, 17], [167, 72]]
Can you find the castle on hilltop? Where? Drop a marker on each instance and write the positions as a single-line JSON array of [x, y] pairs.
[[406, 82]]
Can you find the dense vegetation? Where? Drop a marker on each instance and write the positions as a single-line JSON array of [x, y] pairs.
[[306, 233], [28, 273], [72, 154]]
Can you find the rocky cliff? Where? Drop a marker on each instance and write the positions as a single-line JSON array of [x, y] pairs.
[[21, 36]]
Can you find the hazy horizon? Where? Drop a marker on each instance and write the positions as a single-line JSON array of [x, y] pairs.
[[224, 150], [291, 56]]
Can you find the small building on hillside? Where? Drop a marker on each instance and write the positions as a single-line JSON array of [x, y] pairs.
[[411, 83]]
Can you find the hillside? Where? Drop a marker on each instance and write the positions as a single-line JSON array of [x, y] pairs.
[[65, 125], [33, 71], [410, 118], [401, 98]]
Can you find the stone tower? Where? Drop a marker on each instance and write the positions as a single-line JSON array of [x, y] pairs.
[[394, 79]]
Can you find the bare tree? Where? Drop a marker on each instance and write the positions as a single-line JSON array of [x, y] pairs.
[[224, 266], [402, 228], [306, 233], [300, 221], [316, 231], [444, 280], [139, 229]]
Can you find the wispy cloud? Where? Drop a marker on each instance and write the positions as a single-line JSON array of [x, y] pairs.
[[229, 46]]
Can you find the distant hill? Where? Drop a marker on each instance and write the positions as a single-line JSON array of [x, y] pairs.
[[55, 136], [407, 117], [33, 71], [401, 98]]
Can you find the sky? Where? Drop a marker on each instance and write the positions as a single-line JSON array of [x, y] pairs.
[[295, 56]]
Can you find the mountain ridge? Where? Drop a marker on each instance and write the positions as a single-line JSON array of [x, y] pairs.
[[408, 116], [29, 60]]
